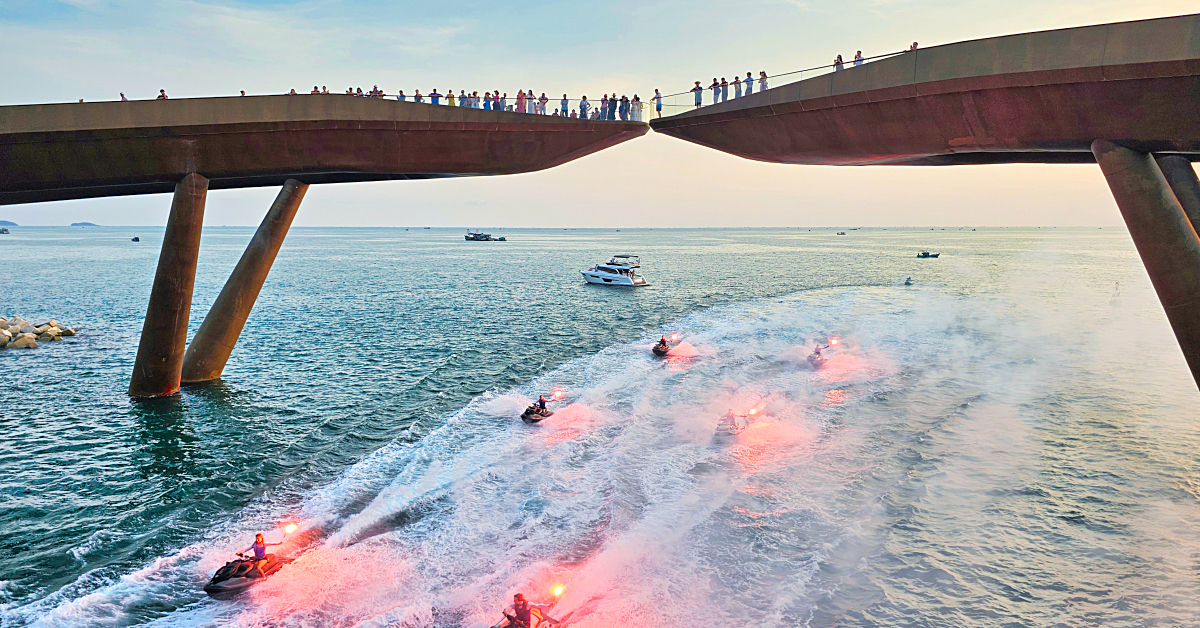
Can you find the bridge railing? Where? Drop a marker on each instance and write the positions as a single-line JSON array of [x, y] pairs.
[[634, 110], [680, 102]]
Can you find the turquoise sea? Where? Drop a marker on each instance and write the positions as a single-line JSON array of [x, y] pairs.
[[1010, 441]]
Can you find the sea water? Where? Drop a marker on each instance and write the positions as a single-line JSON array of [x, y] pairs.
[[1006, 442]]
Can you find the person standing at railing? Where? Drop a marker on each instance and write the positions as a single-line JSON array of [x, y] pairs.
[[762, 81], [521, 100], [637, 108], [716, 90], [584, 105], [749, 81], [724, 89], [858, 58], [657, 98], [401, 97], [737, 86], [450, 98], [623, 108], [565, 104], [913, 47], [699, 92], [603, 110], [542, 100], [487, 101], [612, 107], [434, 97], [503, 101], [417, 97], [837, 64]]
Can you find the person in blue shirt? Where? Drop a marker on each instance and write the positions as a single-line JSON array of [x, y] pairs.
[[699, 92], [260, 551], [566, 105], [584, 105], [434, 97]]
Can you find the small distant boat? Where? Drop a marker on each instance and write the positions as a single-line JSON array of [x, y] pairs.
[[927, 254], [841, 233], [3, 230], [479, 236], [135, 239], [621, 270], [908, 282]]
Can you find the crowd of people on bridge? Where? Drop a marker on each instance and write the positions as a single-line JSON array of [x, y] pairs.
[[610, 107], [720, 89]]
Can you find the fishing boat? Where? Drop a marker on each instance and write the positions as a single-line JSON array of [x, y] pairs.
[[927, 254], [621, 270], [479, 236]]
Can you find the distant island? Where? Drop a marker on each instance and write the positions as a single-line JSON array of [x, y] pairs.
[[5, 223], [84, 224]]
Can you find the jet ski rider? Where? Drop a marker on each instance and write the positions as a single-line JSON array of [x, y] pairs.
[[521, 612], [662, 342], [541, 402], [260, 551]]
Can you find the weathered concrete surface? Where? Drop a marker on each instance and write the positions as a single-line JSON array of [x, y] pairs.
[[1164, 236], [1181, 176], [80, 150], [159, 360], [211, 347], [1035, 97]]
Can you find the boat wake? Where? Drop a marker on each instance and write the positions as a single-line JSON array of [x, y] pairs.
[[623, 497]]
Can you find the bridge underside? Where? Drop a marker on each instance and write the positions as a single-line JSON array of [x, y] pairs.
[[83, 150], [1020, 118]]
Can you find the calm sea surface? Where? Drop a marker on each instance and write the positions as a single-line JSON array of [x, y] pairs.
[[1004, 443]]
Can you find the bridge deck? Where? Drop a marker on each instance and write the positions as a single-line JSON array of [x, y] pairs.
[[1034, 97], [80, 150]]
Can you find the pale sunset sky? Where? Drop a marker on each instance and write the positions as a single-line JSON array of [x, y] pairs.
[[61, 51]]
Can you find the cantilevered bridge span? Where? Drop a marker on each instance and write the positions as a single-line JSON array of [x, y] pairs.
[[1125, 96], [187, 146]]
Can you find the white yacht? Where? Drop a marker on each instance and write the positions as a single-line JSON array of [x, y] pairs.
[[621, 270]]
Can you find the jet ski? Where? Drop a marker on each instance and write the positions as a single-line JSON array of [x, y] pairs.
[[908, 282], [816, 360], [732, 424], [535, 413], [238, 575], [661, 349]]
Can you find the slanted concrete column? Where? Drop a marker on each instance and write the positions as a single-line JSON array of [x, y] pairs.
[[210, 349], [164, 333], [1165, 239], [1182, 179]]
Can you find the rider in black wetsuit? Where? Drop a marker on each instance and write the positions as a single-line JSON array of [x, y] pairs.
[[521, 612]]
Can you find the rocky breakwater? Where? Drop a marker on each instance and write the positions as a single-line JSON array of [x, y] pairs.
[[18, 333]]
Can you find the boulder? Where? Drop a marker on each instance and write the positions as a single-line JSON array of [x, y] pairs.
[[41, 329], [44, 337], [53, 323], [67, 331], [26, 341], [53, 331], [27, 329], [4, 333], [3, 322]]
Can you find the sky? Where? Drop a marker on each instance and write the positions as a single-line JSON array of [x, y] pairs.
[[64, 50]]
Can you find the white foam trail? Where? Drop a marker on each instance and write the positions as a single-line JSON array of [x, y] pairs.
[[622, 495]]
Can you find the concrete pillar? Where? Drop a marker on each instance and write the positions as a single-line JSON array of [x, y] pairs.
[[1182, 179], [164, 333], [1165, 239], [210, 349]]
